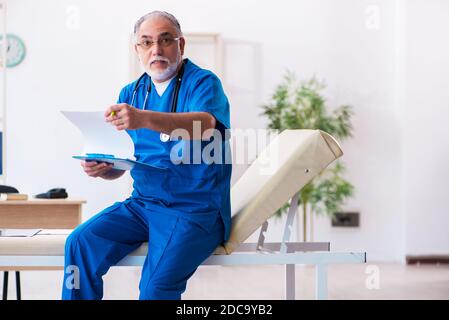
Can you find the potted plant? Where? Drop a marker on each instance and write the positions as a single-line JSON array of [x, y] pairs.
[[297, 105]]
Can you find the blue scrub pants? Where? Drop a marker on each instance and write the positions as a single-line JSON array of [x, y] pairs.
[[176, 247]]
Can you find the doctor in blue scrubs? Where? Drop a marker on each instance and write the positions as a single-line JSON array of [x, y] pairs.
[[181, 204]]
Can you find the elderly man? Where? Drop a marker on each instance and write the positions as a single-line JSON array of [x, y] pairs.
[[183, 209]]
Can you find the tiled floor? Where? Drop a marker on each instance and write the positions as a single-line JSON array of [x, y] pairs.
[[356, 281]]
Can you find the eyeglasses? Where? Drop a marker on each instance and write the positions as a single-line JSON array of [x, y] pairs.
[[163, 42]]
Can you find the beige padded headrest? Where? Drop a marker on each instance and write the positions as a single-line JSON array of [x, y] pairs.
[[286, 165]]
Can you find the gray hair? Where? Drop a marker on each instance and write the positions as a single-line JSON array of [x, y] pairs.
[[162, 14]]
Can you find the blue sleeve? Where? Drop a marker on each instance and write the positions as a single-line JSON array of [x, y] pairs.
[[208, 96], [124, 96]]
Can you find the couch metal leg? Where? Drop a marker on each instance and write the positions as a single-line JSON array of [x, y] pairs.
[[321, 281], [290, 282], [18, 293], [5, 285]]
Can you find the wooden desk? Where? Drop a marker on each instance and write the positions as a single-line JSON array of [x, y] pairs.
[[37, 214], [41, 213]]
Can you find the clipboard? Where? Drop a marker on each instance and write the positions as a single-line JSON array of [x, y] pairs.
[[118, 163], [103, 143]]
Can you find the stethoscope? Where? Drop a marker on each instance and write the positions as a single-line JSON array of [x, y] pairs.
[[164, 137]]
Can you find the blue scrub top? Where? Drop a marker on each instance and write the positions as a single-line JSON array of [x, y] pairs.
[[191, 187]]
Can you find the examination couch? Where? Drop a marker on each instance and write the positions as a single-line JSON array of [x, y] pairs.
[[286, 165]]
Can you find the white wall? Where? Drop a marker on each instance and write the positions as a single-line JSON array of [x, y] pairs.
[[426, 136], [341, 42], [64, 69]]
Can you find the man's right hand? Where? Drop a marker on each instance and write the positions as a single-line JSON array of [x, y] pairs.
[[101, 169]]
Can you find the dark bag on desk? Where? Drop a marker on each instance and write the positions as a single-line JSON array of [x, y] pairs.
[[8, 189]]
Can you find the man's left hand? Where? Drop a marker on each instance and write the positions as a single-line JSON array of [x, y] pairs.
[[123, 116]]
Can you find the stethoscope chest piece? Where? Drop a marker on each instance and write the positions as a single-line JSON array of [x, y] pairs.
[[164, 137]]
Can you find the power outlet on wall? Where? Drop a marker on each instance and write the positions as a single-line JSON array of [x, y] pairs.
[[346, 219]]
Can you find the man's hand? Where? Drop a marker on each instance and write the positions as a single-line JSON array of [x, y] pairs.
[[123, 116], [101, 169]]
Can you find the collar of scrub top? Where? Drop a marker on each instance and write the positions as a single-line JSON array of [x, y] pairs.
[[175, 92]]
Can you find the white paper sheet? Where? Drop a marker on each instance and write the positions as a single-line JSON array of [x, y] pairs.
[[19, 232], [100, 136]]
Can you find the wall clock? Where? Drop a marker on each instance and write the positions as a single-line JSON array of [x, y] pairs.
[[15, 52]]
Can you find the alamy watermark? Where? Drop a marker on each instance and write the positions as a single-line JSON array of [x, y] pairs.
[[236, 146], [72, 280], [372, 282]]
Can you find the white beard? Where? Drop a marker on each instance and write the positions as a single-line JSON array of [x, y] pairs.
[[165, 74]]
